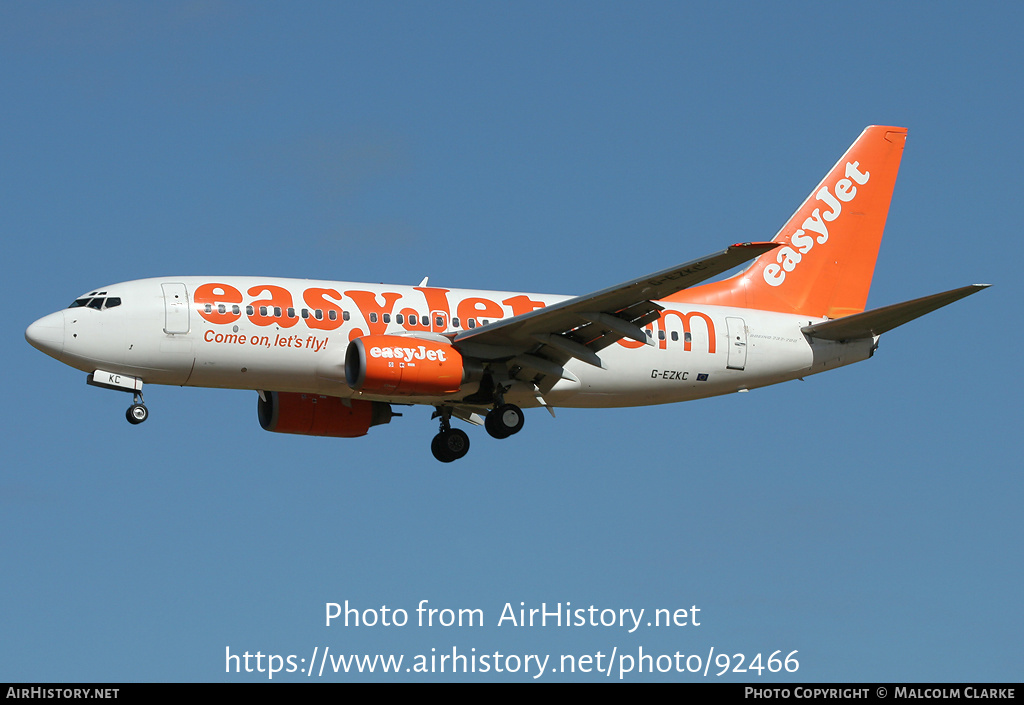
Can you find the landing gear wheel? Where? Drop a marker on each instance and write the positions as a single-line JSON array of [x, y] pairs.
[[504, 420], [450, 445], [137, 413]]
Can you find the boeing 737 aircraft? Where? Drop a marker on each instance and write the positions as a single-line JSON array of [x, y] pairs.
[[330, 358]]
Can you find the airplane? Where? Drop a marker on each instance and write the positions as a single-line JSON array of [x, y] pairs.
[[332, 358]]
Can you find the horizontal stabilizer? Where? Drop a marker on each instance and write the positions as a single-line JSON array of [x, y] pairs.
[[880, 320]]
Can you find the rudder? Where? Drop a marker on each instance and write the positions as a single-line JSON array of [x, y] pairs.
[[828, 248]]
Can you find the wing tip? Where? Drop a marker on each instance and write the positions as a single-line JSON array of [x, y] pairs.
[[757, 247]]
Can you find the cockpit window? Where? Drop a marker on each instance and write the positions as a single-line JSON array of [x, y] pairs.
[[97, 302]]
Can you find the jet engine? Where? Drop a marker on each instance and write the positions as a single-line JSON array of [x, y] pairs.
[[403, 366], [319, 415]]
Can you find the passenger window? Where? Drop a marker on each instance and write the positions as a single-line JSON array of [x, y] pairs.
[[661, 335], [208, 308], [235, 310], [373, 317], [305, 313], [439, 320], [221, 308], [344, 315], [399, 319], [675, 335], [318, 314], [387, 318], [291, 312], [472, 323], [263, 310], [332, 314], [455, 322]]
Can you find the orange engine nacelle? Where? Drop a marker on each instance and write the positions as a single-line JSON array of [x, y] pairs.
[[391, 364], [318, 415]]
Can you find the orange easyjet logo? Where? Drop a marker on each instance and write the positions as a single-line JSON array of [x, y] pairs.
[[787, 258], [407, 354], [389, 364], [325, 309]]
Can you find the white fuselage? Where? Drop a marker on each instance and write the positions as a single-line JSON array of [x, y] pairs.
[[291, 335]]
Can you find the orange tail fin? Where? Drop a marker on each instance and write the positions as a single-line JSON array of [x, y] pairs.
[[829, 247]]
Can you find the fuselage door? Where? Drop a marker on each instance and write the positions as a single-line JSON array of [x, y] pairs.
[[175, 308], [737, 343]]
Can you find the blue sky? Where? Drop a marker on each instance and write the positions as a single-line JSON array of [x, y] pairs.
[[868, 518]]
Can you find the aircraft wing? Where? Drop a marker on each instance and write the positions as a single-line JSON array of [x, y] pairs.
[[580, 327]]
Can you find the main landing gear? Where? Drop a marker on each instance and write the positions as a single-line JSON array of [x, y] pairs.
[[137, 412], [451, 444], [504, 420]]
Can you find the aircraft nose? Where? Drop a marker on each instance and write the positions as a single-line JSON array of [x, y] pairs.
[[47, 334]]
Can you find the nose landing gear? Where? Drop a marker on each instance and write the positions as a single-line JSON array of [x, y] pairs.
[[137, 412]]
